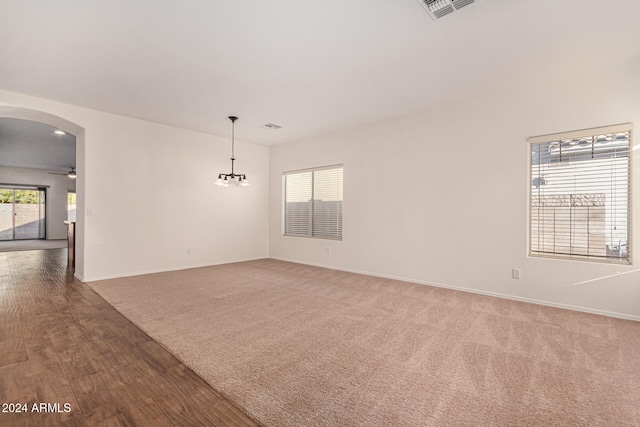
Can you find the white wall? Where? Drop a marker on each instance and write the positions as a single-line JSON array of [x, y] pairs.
[[421, 203], [58, 187], [146, 167]]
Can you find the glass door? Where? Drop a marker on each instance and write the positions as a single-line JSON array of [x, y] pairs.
[[6, 213], [22, 214]]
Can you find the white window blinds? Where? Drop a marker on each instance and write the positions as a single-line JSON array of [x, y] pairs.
[[580, 194], [298, 204], [313, 203]]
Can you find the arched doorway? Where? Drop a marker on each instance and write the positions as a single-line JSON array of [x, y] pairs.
[[78, 132]]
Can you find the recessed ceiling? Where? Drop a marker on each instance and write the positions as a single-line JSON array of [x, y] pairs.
[[311, 67], [27, 144]]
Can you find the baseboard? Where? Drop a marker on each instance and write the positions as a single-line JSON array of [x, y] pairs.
[[163, 270], [474, 291]]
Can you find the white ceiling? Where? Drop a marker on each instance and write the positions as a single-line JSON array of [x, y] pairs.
[[28, 144], [312, 67]]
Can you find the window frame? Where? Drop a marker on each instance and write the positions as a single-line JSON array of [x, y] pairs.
[[284, 201], [583, 133]]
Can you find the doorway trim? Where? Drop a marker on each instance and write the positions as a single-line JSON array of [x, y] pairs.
[[79, 132]]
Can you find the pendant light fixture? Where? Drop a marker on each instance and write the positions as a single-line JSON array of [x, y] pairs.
[[224, 179]]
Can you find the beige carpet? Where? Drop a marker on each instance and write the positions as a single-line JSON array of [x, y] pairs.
[[295, 345]]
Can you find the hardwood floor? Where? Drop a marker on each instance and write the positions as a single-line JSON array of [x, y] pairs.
[[61, 343]]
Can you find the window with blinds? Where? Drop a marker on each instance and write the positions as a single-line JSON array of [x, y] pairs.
[[580, 194], [313, 203]]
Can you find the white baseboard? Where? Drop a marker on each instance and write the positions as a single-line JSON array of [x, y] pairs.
[[475, 291], [163, 270]]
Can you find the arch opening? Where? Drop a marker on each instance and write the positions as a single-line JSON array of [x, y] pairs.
[[79, 133]]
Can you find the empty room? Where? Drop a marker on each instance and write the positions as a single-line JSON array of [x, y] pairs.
[[355, 213]]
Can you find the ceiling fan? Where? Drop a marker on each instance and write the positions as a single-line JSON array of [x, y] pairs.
[[71, 174]]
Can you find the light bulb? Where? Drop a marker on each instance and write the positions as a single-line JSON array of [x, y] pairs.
[[244, 182], [219, 181]]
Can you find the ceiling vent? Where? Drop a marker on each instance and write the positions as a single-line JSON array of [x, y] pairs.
[[272, 126], [439, 8]]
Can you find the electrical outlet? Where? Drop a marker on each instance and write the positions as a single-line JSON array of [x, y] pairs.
[[515, 273], [188, 251]]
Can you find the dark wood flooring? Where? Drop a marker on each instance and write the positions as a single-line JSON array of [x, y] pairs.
[[61, 343]]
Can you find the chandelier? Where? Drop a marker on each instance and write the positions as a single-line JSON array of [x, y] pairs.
[[224, 179]]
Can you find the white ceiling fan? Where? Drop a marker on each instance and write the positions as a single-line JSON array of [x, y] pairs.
[[71, 174]]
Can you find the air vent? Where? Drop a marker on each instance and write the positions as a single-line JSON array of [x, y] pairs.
[[439, 8], [272, 126], [459, 4]]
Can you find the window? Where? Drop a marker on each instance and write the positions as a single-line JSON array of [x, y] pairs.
[[580, 194], [71, 206], [313, 203]]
